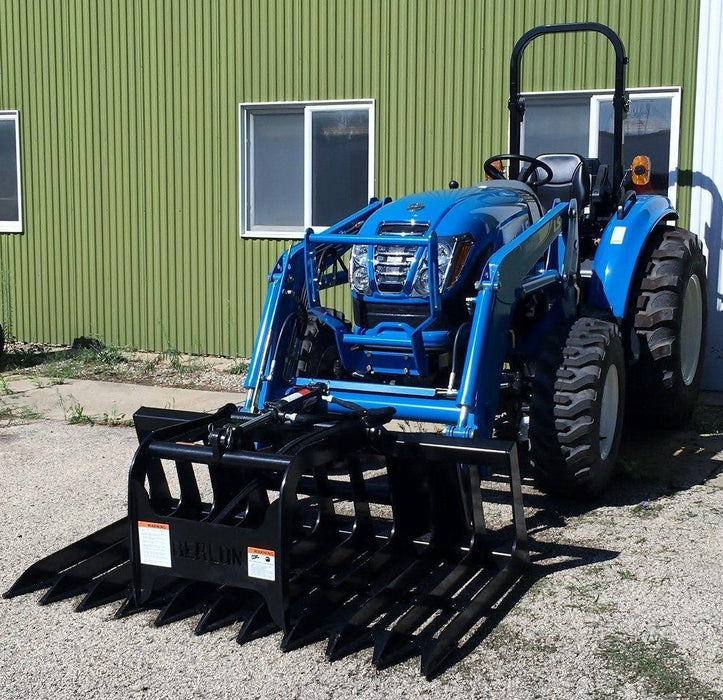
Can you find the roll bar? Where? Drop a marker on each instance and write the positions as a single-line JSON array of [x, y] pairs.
[[517, 107]]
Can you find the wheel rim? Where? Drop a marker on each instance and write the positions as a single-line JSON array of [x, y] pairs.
[[691, 330], [609, 411]]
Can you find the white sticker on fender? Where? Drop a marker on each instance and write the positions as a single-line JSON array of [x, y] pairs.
[[155, 543], [261, 563], [618, 235]]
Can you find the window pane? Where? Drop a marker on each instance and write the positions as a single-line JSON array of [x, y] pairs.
[[340, 164], [647, 132], [276, 180], [8, 171], [556, 124]]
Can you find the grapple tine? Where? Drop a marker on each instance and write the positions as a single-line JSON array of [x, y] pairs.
[[230, 606], [347, 638], [109, 588], [190, 599], [161, 594], [437, 650], [392, 648], [78, 578], [44, 572], [258, 624]]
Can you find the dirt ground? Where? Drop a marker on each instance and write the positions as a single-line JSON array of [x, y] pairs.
[[623, 599]]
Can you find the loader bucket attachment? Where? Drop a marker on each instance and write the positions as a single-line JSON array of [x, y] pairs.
[[320, 525]]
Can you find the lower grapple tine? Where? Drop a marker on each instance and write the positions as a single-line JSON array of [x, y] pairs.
[[438, 650], [392, 648], [110, 588], [230, 606], [160, 596], [192, 598], [45, 572], [78, 578], [258, 624]]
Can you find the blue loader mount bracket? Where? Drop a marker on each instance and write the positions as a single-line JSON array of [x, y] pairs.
[[508, 318]]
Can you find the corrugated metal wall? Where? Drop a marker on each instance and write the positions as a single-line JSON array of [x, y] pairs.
[[707, 179], [129, 134]]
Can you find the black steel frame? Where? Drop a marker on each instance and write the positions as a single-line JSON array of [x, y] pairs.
[[415, 585]]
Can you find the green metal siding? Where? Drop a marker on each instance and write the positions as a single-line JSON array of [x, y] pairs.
[[129, 134]]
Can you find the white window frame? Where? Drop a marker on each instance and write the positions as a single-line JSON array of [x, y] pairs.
[[598, 96], [246, 111], [17, 225]]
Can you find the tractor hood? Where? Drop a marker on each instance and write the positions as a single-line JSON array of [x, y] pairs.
[[475, 210]]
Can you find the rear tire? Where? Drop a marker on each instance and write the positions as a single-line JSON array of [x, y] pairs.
[[577, 407], [667, 321]]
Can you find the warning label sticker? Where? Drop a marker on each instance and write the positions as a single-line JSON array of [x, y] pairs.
[[618, 235], [155, 543], [261, 563]]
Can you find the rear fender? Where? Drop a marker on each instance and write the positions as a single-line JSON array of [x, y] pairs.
[[619, 252]]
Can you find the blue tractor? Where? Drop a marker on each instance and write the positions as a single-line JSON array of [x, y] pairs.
[[523, 316]]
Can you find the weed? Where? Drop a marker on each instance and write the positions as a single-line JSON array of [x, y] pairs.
[[28, 413], [5, 390], [636, 470], [645, 509], [627, 575], [658, 662], [20, 413], [173, 357], [75, 413], [240, 367], [114, 419]]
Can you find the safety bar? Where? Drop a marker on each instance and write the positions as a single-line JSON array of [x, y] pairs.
[[517, 107]]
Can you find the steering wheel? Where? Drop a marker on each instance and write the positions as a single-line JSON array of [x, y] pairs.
[[526, 175]]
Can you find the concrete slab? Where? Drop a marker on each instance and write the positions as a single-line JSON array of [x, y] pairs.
[[116, 399]]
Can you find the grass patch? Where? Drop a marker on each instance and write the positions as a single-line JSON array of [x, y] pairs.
[[17, 413], [659, 663], [5, 390]]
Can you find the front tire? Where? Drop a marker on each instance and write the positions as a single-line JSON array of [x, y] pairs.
[[318, 355], [577, 408], [667, 321]]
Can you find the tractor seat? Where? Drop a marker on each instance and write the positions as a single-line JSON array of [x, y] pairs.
[[570, 178]]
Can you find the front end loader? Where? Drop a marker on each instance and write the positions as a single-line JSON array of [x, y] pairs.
[[508, 319]]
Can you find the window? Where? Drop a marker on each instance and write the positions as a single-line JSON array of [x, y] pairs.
[[10, 197], [304, 164], [582, 122]]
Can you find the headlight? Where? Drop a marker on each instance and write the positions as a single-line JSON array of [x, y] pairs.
[[360, 269], [448, 252]]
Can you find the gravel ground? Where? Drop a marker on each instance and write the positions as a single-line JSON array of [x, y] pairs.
[[48, 364], [623, 600]]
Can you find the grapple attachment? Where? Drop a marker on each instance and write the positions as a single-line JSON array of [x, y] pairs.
[[314, 523]]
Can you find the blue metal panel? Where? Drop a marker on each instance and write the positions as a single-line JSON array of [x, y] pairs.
[[617, 255]]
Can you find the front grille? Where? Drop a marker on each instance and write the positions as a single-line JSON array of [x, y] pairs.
[[391, 266], [393, 262], [403, 229]]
